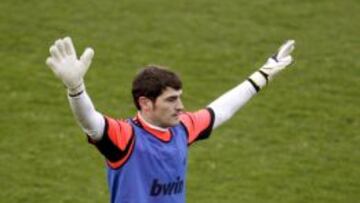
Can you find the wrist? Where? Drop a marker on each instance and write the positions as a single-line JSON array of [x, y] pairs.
[[258, 79], [75, 91]]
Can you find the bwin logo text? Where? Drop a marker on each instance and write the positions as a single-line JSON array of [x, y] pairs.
[[169, 188]]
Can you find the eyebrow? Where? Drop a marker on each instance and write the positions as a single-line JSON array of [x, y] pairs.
[[172, 97]]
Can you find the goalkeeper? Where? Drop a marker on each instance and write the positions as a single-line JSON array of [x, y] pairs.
[[146, 155]]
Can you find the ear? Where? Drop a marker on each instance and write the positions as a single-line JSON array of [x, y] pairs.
[[145, 104]]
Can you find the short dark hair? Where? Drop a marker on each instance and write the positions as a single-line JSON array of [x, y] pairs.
[[151, 81]]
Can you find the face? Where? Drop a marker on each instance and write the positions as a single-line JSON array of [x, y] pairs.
[[166, 109]]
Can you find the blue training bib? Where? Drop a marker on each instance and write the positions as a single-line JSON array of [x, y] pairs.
[[155, 171]]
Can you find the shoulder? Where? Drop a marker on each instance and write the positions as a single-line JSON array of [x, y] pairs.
[[117, 142], [198, 124]]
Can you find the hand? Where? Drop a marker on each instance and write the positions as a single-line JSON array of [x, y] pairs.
[[280, 60], [65, 65], [273, 65]]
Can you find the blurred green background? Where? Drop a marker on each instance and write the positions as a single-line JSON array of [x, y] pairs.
[[297, 141]]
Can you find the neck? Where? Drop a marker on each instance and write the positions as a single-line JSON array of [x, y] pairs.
[[145, 120]]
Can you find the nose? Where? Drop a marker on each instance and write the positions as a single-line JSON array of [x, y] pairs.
[[180, 106]]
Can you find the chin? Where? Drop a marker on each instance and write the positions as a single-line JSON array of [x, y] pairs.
[[174, 123]]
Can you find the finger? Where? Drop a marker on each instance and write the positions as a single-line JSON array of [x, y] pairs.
[[52, 64], [286, 49], [54, 52], [60, 46], [87, 56], [286, 61], [69, 46]]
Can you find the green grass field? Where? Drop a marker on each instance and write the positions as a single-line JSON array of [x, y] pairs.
[[297, 141]]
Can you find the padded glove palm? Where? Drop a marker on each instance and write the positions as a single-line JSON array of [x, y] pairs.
[[66, 66], [273, 65]]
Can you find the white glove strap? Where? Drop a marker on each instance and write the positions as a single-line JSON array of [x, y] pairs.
[[259, 79], [76, 91]]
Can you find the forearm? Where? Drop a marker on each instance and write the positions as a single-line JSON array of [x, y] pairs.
[[225, 106], [229, 103], [91, 121]]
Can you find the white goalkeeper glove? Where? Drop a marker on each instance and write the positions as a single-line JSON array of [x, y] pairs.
[[273, 65], [66, 66]]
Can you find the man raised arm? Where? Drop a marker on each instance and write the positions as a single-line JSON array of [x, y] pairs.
[[67, 67], [225, 106]]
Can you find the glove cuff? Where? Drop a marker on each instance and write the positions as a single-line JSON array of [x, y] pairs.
[[73, 92], [258, 79]]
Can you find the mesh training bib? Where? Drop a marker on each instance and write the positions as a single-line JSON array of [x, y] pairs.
[[155, 171]]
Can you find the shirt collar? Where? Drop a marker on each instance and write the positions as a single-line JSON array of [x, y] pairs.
[[163, 134]]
